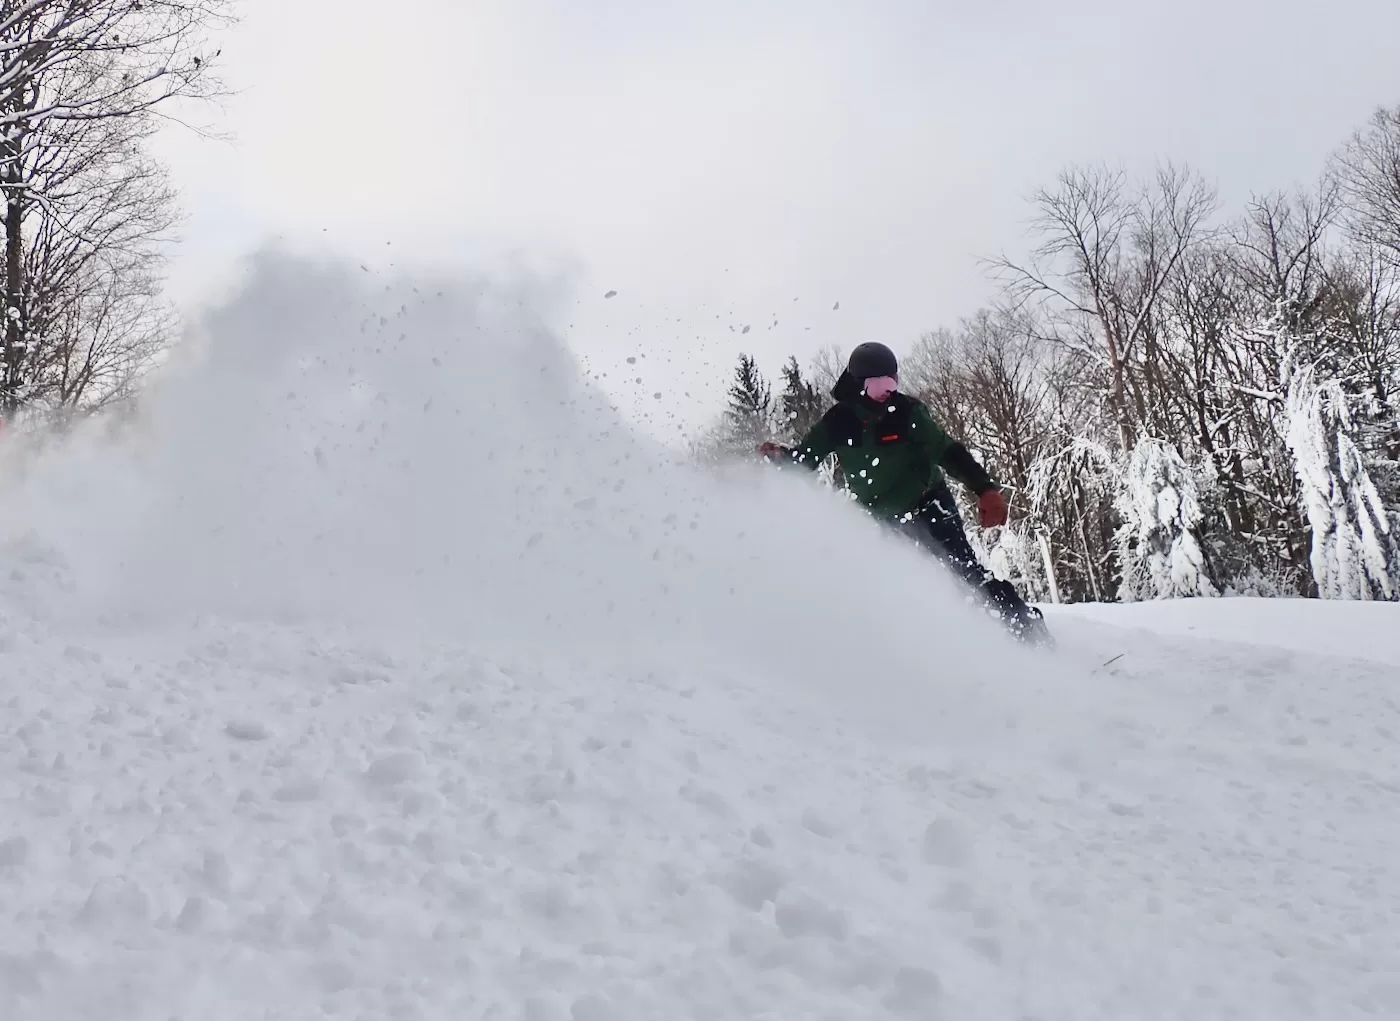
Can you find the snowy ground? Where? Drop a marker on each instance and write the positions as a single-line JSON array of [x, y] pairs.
[[1346, 630], [307, 719]]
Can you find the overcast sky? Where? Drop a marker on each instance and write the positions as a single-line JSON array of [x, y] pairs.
[[714, 161]]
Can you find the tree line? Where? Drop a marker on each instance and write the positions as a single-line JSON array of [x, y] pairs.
[[84, 85], [1178, 400]]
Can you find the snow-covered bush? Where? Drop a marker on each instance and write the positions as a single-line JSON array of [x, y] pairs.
[[1012, 553], [1159, 544]]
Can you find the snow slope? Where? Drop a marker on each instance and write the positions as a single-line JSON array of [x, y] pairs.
[[1344, 629], [383, 674]]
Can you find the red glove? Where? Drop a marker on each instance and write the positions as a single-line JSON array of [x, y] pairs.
[[991, 506], [770, 449]]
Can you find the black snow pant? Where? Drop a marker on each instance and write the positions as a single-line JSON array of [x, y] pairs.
[[937, 526]]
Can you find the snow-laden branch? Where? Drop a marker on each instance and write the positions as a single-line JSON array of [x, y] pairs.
[[1354, 555]]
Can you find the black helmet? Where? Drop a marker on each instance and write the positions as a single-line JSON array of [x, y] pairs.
[[872, 359]]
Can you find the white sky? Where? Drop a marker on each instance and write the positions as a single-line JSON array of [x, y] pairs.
[[713, 161]]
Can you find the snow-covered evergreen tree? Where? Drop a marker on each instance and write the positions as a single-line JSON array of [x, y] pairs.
[[801, 406], [748, 420], [1159, 544], [1354, 554]]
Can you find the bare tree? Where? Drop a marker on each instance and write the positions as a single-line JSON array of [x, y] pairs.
[[92, 265], [825, 368], [1280, 251], [1368, 170], [1104, 259], [987, 383], [1366, 313], [81, 83]]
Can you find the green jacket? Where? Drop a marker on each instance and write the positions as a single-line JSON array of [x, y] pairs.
[[892, 453]]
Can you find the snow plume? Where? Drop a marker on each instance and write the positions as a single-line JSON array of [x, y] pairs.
[[1159, 547], [1354, 555], [424, 455]]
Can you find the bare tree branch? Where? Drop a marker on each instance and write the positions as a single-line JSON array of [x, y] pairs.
[[82, 84], [1368, 171]]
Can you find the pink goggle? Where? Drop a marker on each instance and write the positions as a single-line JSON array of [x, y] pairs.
[[877, 388]]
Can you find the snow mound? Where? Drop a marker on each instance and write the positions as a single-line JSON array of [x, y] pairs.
[[381, 672]]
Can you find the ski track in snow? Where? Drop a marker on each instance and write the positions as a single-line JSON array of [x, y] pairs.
[[214, 809]]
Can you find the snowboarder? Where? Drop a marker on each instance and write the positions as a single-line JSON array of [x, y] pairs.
[[894, 456]]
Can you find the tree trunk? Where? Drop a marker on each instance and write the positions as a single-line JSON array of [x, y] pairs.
[[1044, 539], [14, 274]]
